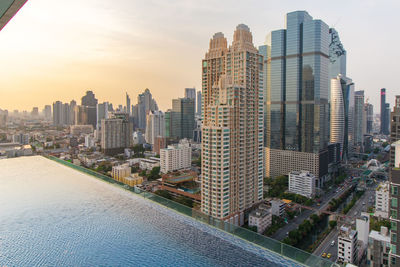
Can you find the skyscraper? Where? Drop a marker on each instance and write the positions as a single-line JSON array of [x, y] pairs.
[[128, 104], [102, 113], [3, 118], [297, 91], [384, 117], [198, 103], [340, 115], [394, 179], [47, 112], [182, 118], [57, 113], [155, 126], [144, 104], [72, 105], [359, 118], [116, 133], [190, 93], [89, 99], [369, 111], [232, 168]]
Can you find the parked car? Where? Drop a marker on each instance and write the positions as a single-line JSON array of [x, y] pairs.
[[332, 243]]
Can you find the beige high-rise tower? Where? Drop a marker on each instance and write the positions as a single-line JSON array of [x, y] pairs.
[[232, 132]]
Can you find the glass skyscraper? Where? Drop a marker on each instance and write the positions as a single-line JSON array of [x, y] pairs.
[[297, 84]]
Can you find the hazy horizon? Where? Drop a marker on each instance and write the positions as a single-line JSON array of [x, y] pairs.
[[57, 50]]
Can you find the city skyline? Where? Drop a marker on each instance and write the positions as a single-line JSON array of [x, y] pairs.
[[121, 49]]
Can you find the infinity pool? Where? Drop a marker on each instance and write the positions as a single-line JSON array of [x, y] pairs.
[[52, 215]]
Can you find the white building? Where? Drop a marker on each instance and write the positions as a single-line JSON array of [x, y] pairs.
[[362, 227], [149, 164], [347, 245], [261, 218], [155, 126], [382, 200], [90, 140], [120, 171], [175, 157], [302, 183], [277, 207], [378, 248]]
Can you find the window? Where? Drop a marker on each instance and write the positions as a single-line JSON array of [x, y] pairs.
[[394, 226], [394, 202], [394, 190], [394, 214], [394, 237]]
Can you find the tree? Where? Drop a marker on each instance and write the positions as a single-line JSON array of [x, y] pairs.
[[143, 173], [154, 174], [332, 224]]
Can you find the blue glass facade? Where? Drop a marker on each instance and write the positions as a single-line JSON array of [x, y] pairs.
[[297, 96]]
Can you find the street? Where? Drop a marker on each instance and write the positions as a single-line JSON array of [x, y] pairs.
[[293, 224], [325, 245]]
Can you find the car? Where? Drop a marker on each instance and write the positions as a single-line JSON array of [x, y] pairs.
[[323, 255], [363, 203], [329, 255], [332, 243]]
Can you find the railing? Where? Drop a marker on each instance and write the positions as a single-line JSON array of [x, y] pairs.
[[272, 245]]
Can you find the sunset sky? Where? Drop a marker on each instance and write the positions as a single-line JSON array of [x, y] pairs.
[[56, 50]]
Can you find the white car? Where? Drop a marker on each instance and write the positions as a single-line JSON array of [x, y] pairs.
[[332, 243]]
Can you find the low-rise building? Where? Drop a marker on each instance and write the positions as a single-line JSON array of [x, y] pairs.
[[261, 218], [20, 138], [278, 207], [182, 183], [149, 164], [120, 171], [81, 129], [302, 183], [382, 200], [347, 245], [132, 180], [379, 248]]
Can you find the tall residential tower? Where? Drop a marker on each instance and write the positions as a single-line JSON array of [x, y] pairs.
[[232, 159]]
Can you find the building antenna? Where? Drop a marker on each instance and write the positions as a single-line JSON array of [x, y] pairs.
[[337, 22]]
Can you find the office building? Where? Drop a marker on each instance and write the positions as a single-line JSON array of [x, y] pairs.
[[296, 86], [89, 101], [128, 104], [369, 111], [341, 114], [102, 113], [175, 157], [182, 122], [81, 115], [384, 118], [155, 126], [232, 133], [337, 55], [35, 112], [281, 162], [378, 248], [138, 138], [358, 118], [260, 218], [302, 183], [382, 200], [394, 179], [190, 93], [116, 133], [347, 245], [198, 103], [145, 103]]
